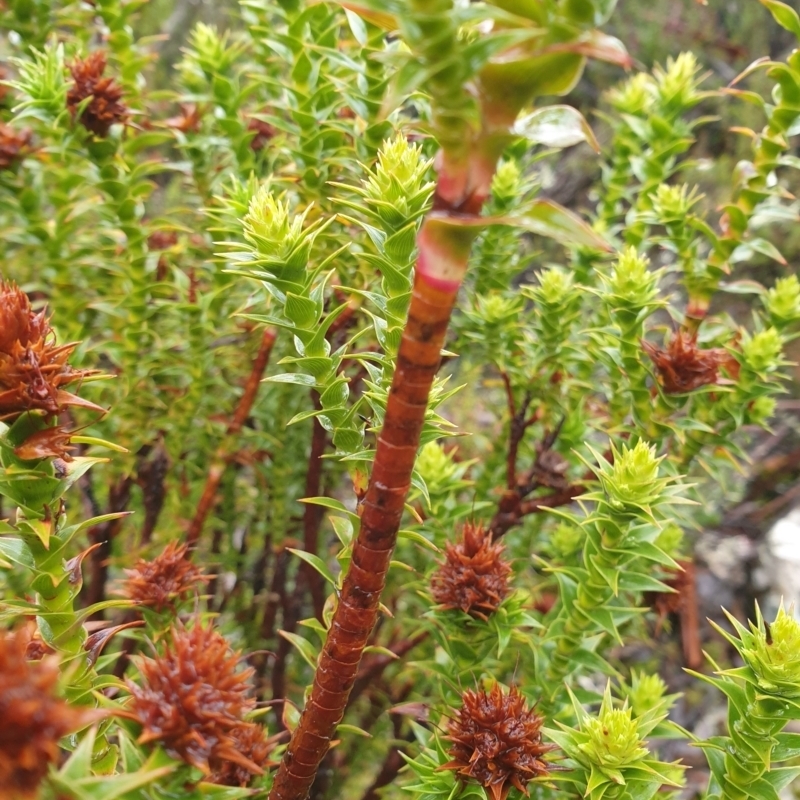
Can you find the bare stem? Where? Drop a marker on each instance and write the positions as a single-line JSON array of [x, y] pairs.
[[435, 287], [220, 460]]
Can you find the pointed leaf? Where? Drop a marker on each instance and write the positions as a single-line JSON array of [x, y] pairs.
[[307, 650], [556, 126], [784, 15], [316, 562]]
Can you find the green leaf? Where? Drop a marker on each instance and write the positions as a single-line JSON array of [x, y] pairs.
[[543, 217], [316, 562], [343, 527], [16, 550], [556, 126], [634, 582], [784, 15], [745, 251], [296, 378], [549, 219], [98, 443], [307, 650], [787, 746], [416, 536], [353, 729]]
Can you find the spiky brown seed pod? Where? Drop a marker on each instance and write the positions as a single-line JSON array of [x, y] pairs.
[[33, 368], [497, 741], [168, 578], [683, 366], [253, 743], [193, 697], [14, 145], [473, 576], [33, 718], [105, 107]]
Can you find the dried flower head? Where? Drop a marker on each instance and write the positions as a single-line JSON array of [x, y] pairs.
[[473, 577], [14, 145], [105, 107], [168, 578], [32, 367], [34, 718], [162, 240], [252, 742], [497, 741], [188, 121], [193, 697], [683, 366], [262, 132]]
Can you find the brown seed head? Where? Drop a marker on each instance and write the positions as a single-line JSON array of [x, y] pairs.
[[14, 145], [263, 131], [193, 697], [162, 240], [33, 718], [166, 579], [683, 366], [252, 742], [32, 367], [105, 107], [473, 577], [497, 741]]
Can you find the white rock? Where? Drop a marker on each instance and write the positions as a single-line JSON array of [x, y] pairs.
[[781, 558]]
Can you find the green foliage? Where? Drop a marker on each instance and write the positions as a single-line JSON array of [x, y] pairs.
[[607, 755], [238, 252]]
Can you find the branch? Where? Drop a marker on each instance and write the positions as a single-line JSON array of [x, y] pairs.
[[548, 472], [221, 457], [444, 244], [118, 498]]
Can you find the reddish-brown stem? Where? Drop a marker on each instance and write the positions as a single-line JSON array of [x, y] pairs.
[[151, 475], [219, 462], [289, 615], [417, 362], [690, 620], [118, 498], [504, 520], [548, 472], [518, 424]]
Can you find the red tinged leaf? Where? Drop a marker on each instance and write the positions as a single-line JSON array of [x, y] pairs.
[[49, 443], [252, 742]]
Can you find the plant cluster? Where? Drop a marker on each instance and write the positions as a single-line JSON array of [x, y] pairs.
[[278, 287]]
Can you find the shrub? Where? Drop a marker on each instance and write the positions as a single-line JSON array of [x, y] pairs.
[[259, 303]]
